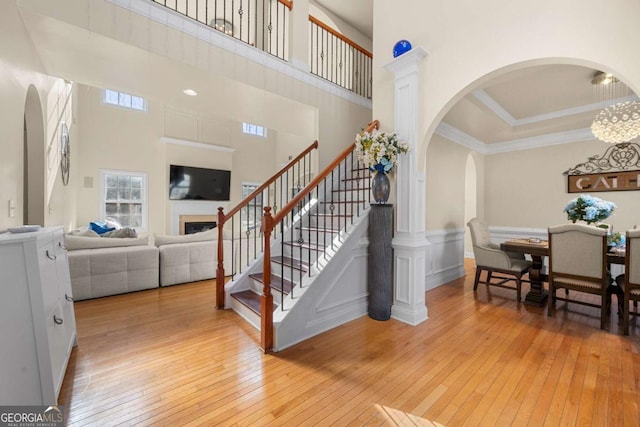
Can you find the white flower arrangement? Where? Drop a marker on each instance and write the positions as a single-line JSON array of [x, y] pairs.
[[378, 150]]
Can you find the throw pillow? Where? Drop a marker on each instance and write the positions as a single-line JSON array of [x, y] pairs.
[[123, 232], [100, 227]]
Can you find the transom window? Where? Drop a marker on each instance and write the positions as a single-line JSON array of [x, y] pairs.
[[124, 198], [126, 100], [252, 129]]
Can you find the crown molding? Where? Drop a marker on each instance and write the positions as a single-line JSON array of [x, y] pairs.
[[456, 135], [503, 114], [540, 141], [459, 137]]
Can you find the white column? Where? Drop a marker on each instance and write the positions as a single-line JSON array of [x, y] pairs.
[[409, 244]]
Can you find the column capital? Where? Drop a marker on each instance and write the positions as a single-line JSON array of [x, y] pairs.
[[407, 62]]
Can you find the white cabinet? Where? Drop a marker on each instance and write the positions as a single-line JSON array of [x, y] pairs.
[[37, 321]]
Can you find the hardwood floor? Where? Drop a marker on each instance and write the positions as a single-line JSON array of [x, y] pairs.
[[168, 357]]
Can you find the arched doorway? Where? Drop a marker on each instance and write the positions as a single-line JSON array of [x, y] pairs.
[[33, 160]]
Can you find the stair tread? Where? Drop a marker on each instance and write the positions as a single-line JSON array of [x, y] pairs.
[[320, 229], [329, 214], [305, 245], [251, 300], [357, 178], [343, 201], [351, 189], [277, 282], [291, 262]]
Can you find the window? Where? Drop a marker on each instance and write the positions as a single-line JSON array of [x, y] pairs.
[[125, 100], [252, 129], [252, 213], [123, 197]]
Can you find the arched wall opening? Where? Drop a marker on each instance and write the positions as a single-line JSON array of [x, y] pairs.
[[34, 160], [512, 177]]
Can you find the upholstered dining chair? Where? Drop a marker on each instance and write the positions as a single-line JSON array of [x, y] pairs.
[[631, 275], [578, 262], [491, 259]]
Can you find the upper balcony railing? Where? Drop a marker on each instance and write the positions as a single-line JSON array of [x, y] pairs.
[[336, 58], [261, 23], [265, 24]]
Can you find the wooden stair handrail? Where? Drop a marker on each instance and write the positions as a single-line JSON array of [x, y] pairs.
[[318, 179], [342, 37], [270, 181], [222, 219], [287, 3], [268, 224]]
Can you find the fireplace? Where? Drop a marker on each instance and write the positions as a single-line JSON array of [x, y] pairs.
[[190, 224], [198, 226]]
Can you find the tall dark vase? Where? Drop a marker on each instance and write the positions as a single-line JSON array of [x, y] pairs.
[[380, 187]]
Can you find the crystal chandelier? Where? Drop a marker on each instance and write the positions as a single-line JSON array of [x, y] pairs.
[[619, 122]]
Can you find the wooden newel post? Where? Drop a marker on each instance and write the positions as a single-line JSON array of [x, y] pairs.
[[220, 270], [266, 301]]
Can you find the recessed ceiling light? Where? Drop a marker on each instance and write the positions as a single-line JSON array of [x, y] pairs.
[[190, 92]]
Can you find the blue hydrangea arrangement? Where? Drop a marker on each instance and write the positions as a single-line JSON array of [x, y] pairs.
[[589, 209]]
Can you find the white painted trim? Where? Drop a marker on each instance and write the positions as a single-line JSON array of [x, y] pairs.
[[546, 140], [162, 15], [494, 106], [195, 144], [500, 234], [444, 276], [446, 255], [456, 135], [501, 112]]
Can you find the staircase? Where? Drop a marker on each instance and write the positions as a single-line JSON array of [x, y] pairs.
[[306, 247], [312, 274]]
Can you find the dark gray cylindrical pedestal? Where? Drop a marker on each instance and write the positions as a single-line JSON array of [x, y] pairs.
[[380, 263]]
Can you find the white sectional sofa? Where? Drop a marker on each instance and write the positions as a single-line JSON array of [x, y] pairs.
[[109, 266], [101, 266], [191, 257]]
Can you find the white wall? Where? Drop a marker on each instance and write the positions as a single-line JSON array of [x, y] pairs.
[[125, 139], [158, 59], [338, 24], [102, 45], [519, 195], [471, 42], [20, 68]]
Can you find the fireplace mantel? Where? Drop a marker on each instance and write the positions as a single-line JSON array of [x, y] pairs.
[[192, 208]]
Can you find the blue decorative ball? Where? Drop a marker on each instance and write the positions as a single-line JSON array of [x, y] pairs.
[[403, 46]]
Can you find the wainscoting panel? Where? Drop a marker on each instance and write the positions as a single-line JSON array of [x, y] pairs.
[[445, 257], [445, 254]]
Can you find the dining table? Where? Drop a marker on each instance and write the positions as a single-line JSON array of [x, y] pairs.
[[538, 249]]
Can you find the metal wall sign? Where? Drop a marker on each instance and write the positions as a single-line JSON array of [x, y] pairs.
[[609, 172], [610, 181]]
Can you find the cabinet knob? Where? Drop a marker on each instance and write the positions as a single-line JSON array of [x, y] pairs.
[[62, 246], [57, 321], [68, 298], [51, 257]]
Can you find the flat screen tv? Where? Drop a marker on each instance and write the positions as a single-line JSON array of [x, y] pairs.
[[191, 183]]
